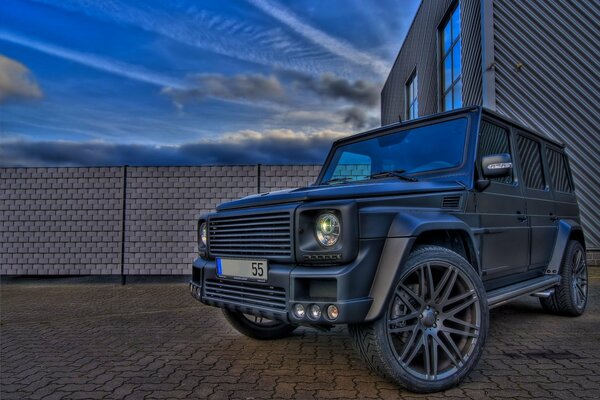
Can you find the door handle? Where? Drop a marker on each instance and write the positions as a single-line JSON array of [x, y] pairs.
[[522, 218], [553, 217]]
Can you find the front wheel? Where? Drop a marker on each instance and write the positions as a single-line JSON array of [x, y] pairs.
[[435, 324], [257, 327]]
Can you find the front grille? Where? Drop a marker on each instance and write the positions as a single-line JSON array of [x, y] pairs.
[[258, 236], [246, 294]]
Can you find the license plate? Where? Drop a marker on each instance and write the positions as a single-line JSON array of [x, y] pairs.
[[243, 269]]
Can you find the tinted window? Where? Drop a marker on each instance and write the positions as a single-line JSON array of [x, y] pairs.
[[493, 139], [531, 163], [417, 150], [559, 171]]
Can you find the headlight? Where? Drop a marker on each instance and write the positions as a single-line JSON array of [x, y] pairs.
[[328, 229], [203, 234]]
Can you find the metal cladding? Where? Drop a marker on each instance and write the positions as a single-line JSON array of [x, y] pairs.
[[547, 57], [544, 74]]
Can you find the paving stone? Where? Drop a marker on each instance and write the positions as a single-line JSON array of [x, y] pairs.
[[154, 341]]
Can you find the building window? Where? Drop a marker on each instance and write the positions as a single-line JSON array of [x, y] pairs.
[[451, 65], [412, 98]]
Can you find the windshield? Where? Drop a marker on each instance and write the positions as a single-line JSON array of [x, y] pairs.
[[426, 148]]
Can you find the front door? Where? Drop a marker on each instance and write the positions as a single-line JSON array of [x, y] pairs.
[[501, 209]]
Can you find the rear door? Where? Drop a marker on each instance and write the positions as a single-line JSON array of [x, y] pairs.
[[504, 232], [539, 200]]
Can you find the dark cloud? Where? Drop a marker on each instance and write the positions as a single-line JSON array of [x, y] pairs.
[[359, 92], [358, 118], [258, 87], [238, 87], [247, 147]]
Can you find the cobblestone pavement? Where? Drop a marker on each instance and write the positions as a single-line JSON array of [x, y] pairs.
[[154, 341]]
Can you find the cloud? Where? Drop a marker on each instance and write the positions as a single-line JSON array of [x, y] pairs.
[[334, 45], [279, 92], [276, 146], [243, 86], [102, 64], [328, 85], [358, 118], [16, 81], [187, 24]]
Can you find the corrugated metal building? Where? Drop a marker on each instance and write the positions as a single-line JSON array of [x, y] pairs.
[[534, 61]]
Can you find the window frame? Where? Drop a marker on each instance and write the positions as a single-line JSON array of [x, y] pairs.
[[443, 55], [412, 99], [411, 125]]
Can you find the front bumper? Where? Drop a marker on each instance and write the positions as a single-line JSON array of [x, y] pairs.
[[345, 286]]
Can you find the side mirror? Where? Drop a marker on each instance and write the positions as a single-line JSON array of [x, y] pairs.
[[496, 165]]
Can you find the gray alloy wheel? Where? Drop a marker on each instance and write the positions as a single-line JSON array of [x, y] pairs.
[[257, 327], [434, 328], [570, 296]]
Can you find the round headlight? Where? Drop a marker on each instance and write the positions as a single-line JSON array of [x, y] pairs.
[[203, 234], [328, 229]]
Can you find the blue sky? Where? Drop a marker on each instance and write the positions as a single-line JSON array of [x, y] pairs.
[[189, 82]]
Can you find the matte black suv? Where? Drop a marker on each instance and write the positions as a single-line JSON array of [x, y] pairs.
[[410, 234]]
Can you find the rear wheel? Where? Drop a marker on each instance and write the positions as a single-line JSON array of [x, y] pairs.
[[257, 327], [570, 296], [435, 324]]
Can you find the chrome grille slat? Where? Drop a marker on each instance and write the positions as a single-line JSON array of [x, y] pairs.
[[246, 293], [266, 235]]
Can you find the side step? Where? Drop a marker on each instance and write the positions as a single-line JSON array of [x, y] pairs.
[[503, 295]]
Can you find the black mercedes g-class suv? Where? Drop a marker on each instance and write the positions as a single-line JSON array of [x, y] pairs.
[[411, 233]]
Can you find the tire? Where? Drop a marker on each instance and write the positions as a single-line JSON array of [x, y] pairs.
[[435, 324], [571, 295], [258, 328]]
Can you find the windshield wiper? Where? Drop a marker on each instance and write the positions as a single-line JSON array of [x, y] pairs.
[[396, 173], [337, 180]]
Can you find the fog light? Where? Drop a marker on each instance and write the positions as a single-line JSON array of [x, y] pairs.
[[332, 312], [314, 311], [299, 310]]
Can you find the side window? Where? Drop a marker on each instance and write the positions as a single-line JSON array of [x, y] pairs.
[[493, 139], [531, 163], [559, 171]]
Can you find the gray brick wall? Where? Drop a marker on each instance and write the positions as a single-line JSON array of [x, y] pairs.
[[68, 221], [163, 204], [60, 221]]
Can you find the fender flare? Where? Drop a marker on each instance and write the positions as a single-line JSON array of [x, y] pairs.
[[403, 233], [565, 228]]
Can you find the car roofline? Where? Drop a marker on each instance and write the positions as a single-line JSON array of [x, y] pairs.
[[403, 124], [458, 111]]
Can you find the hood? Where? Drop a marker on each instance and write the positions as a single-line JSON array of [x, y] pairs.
[[342, 191]]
